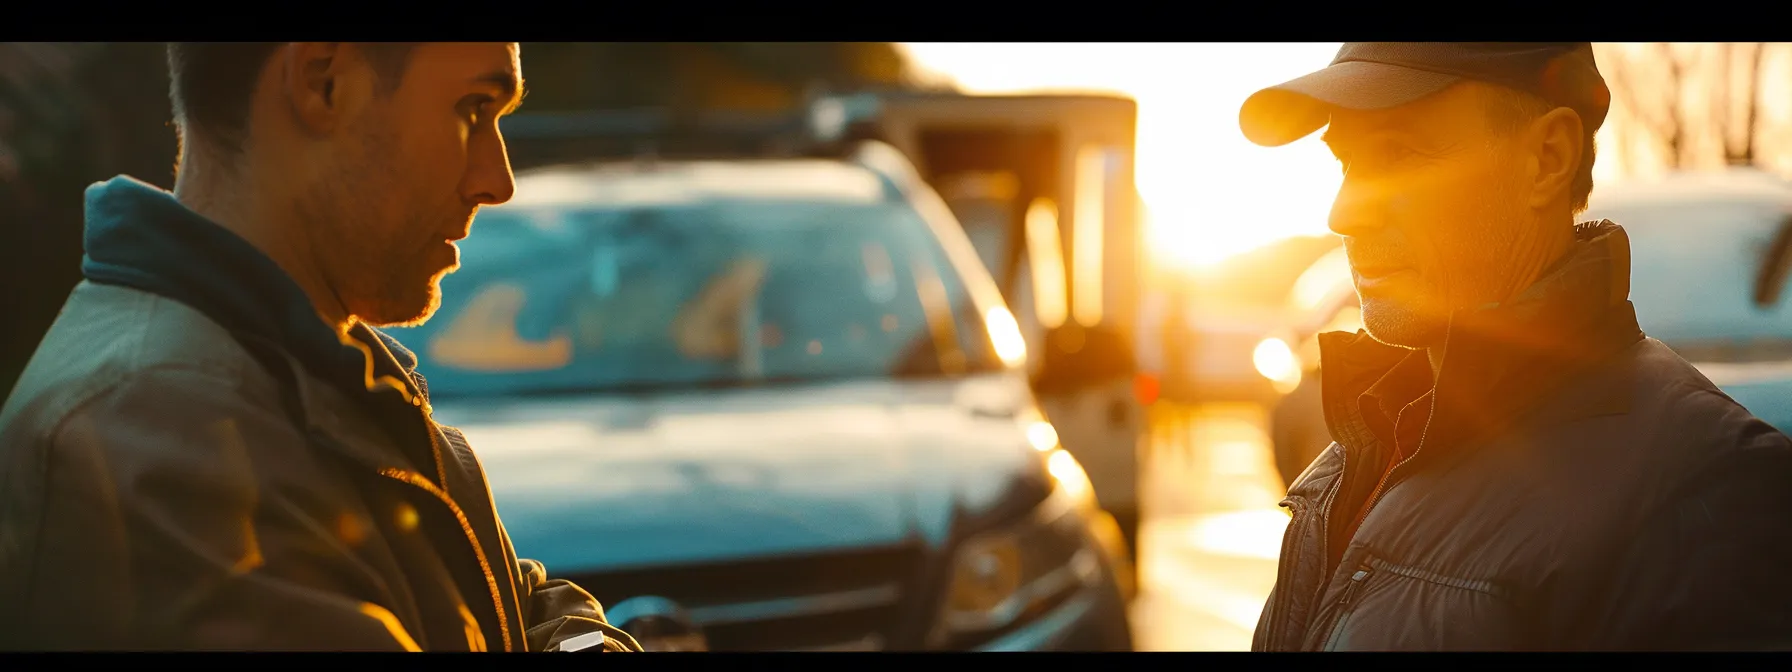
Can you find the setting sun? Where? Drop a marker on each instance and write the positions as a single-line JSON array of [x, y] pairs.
[[1209, 193]]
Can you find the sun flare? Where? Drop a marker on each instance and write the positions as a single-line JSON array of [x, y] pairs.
[[1209, 193]]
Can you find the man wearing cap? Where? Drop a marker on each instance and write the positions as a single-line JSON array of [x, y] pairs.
[[1515, 465]]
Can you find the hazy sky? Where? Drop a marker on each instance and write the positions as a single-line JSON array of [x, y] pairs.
[[1210, 192]]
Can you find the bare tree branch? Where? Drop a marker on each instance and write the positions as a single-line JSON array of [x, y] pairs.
[[1722, 115], [1653, 83], [1675, 127], [1658, 123], [1751, 127]]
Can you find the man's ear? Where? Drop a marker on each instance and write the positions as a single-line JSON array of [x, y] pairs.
[[310, 79], [1558, 146]]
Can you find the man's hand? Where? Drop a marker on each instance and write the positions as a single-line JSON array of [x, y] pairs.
[[561, 616]]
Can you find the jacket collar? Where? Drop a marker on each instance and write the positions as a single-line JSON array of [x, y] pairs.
[[139, 236], [1499, 360]]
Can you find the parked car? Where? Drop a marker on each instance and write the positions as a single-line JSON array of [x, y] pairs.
[[1710, 253], [782, 393], [1006, 167], [1323, 299]]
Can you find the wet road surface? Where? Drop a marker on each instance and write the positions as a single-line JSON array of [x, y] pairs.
[[1211, 529]]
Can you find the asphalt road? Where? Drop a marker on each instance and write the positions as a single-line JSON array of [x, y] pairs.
[[1211, 529]]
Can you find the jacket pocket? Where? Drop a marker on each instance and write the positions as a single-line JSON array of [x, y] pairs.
[[1387, 606], [1346, 602]]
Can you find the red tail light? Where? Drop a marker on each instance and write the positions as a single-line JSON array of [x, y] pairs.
[[1145, 388]]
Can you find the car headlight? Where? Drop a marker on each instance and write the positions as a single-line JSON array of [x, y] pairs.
[[1041, 435], [1066, 473], [1009, 576]]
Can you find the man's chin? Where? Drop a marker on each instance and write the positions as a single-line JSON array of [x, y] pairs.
[[1400, 325], [411, 312]]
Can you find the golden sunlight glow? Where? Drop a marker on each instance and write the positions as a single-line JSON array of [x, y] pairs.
[[393, 627], [1250, 534], [1047, 251], [1210, 193], [1069, 474], [1004, 333], [1040, 432], [1276, 361], [1091, 226], [1042, 435], [1324, 279]]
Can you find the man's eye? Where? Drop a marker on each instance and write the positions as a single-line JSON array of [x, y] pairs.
[[473, 108], [1375, 157]]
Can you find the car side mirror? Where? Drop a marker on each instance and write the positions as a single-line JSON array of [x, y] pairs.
[[1770, 278], [1075, 357]]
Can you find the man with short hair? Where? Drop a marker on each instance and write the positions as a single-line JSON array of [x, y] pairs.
[[1515, 465], [213, 447]]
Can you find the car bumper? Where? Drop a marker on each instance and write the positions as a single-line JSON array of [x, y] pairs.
[[1093, 620]]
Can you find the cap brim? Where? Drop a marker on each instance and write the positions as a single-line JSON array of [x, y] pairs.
[[1294, 109]]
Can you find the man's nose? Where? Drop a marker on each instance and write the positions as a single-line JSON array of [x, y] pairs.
[[1353, 211], [489, 180]]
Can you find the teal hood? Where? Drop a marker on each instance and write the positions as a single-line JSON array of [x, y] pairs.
[[139, 236]]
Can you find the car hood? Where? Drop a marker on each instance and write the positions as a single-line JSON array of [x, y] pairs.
[[1761, 387], [588, 483]]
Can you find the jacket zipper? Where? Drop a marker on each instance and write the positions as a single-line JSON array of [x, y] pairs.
[[1325, 536], [285, 366], [1286, 563], [1430, 414], [485, 566], [1387, 478], [1351, 591], [1282, 596]]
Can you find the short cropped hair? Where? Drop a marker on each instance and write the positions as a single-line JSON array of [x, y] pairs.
[[212, 83], [1509, 110]]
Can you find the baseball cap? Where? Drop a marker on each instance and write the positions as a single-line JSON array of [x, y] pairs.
[[1381, 75]]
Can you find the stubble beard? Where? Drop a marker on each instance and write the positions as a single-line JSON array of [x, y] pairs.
[[369, 261], [1402, 325], [1425, 321]]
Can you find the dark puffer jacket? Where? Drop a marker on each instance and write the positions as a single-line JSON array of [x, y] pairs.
[[1577, 486]]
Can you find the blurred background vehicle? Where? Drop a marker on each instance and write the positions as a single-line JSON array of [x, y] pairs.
[[1323, 299], [1710, 252], [1730, 230], [784, 393]]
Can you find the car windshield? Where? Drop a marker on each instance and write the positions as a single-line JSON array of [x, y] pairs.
[[1693, 269], [710, 294]]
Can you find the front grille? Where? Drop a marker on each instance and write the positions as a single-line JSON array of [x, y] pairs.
[[833, 601]]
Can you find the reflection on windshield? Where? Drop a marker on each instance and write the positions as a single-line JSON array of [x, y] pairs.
[[485, 338], [718, 294]]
